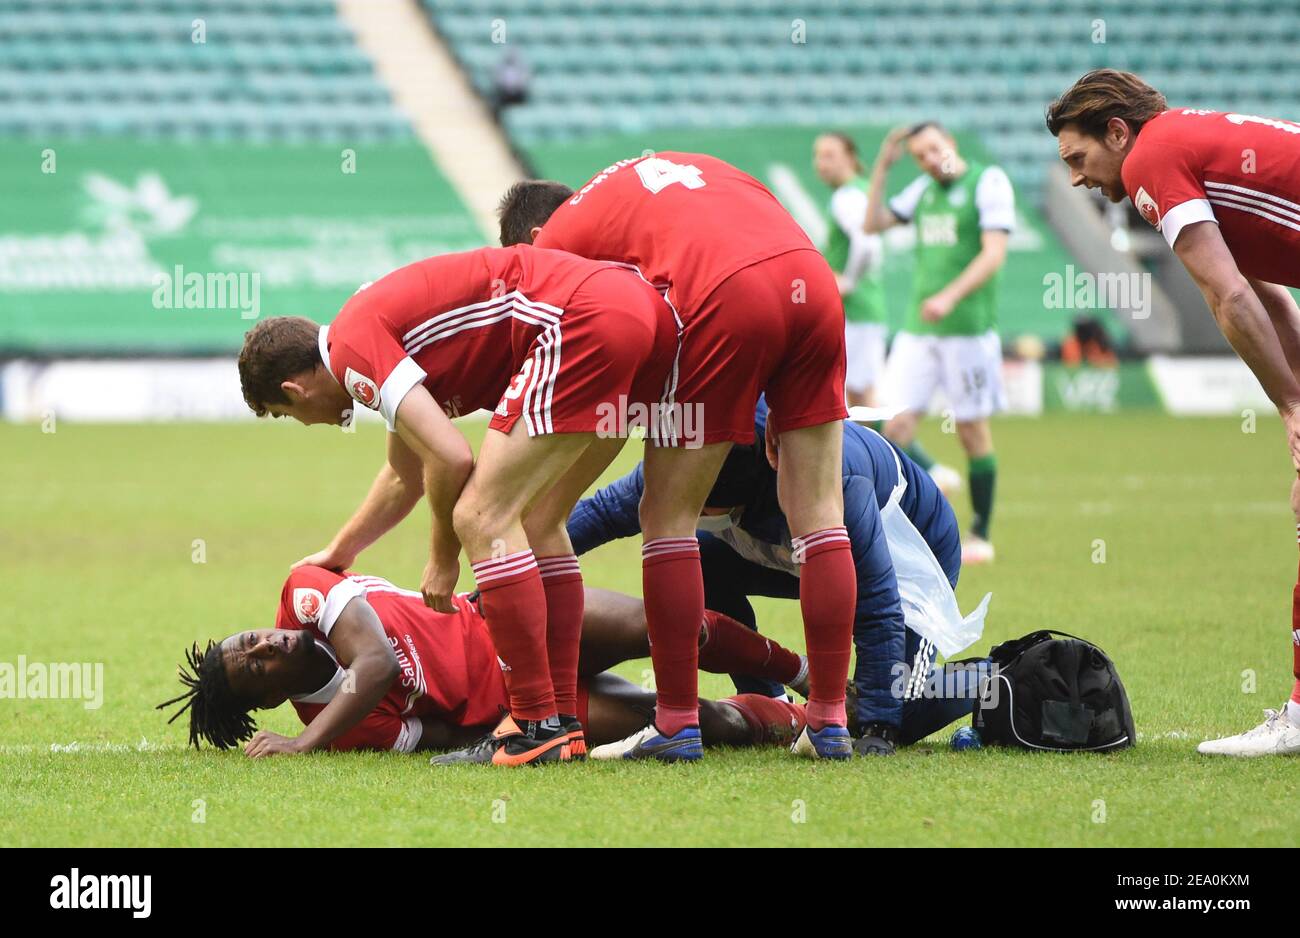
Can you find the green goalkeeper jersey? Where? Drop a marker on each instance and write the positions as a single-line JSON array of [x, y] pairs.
[[847, 210], [949, 220]]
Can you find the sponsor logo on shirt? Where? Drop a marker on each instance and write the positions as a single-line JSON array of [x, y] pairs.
[[362, 389], [307, 604], [940, 230], [1147, 207], [412, 676]]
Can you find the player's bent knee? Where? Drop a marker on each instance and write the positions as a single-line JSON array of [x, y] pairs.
[[472, 520]]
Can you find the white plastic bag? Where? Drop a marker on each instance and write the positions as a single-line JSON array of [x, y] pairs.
[[929, 604]]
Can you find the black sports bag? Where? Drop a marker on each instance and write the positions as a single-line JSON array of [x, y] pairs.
[[1056, 694]]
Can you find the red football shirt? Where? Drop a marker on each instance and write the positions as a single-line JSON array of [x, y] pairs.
[[687, 221], [460, 324], [450, 668], [1238, 170]]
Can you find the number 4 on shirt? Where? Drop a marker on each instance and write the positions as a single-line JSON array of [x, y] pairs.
[[656, 174]]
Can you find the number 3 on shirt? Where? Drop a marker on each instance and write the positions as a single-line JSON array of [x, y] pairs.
[[656, 174], [520, 380]]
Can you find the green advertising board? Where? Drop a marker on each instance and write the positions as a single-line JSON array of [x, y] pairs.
[[1084, 389], [119, 247]]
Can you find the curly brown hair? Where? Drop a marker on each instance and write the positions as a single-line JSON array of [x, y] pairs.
[[274, 351]]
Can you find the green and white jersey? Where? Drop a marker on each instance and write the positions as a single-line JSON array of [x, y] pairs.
[[854, 254], [950, 219]]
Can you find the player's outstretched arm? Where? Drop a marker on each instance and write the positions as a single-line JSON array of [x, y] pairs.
[[611, 513], [393, 494], [362, 648], [1243, 320], [447, 462]]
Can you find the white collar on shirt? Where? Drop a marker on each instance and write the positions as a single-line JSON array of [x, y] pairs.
[[326, 693]]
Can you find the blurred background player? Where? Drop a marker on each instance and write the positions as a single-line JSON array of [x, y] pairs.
[[857, 258], [964, 213], [1224, 190], [367, 665], [760, 313]]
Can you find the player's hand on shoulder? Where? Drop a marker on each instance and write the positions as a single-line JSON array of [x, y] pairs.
[[439, 584], [331, 558], [265, 743]]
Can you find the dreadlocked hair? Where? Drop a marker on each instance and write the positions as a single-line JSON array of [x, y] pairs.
[[215, 713]]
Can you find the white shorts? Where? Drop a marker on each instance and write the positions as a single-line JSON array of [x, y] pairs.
[[864, 349], [968, 369]]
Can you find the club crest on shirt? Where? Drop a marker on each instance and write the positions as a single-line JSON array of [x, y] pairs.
[[1147, 207], [307, 604], [361, 388]]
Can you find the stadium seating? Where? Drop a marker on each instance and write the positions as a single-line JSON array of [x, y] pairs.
[[986, 65], [267, 70]]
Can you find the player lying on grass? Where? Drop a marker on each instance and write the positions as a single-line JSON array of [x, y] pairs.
[[369, 666], [891, 507], [761, 312], [1224, 190], [561, 347]]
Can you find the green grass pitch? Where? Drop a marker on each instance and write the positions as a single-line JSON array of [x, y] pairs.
[[100, 527]]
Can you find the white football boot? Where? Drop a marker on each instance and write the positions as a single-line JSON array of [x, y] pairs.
[[1276, 736], [975, 550]]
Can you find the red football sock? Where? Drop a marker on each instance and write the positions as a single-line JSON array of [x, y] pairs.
[[673, 586], [771, 720], [828, 593], [514, 607], [562, 580], [728, 647], [1295, 633]]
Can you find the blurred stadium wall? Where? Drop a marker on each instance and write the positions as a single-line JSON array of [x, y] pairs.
[[175, 169]]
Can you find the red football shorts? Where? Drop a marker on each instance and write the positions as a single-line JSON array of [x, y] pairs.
[[774, 327], [606, 362]]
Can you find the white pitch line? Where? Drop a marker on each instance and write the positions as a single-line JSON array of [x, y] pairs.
[[76, 747]]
